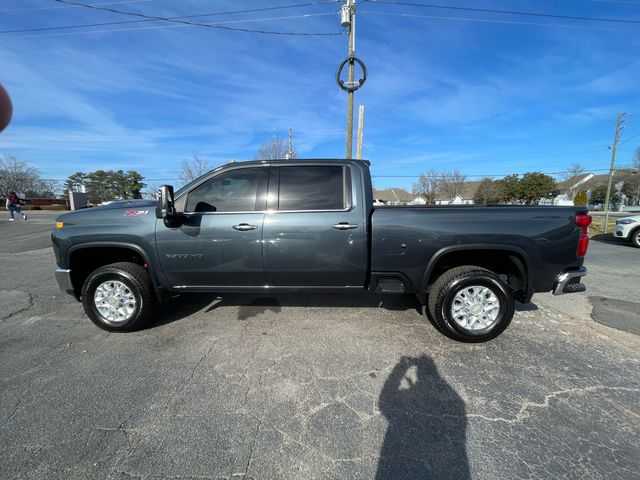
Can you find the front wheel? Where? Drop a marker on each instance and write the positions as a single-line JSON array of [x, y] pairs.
[[119, 297], [471, 304], [635, 238]]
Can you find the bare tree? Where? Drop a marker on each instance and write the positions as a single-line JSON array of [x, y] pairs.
[[428, 186], [636, 159], [275, 149], [18, 176], [453, 183], [489, 191], [48, 188], [151, 191], [575, 170], [570, 175], [192, 169]]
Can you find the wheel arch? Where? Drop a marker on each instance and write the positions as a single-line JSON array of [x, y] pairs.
[[507, 260], [85, 258]]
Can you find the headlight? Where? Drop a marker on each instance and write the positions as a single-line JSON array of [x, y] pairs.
[[625, 221]]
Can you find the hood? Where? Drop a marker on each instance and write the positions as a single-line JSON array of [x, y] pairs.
[[129, 204], [109, 211], [633, 218]]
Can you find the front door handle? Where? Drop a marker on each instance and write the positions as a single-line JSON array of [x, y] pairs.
[[243, 227], [344, 226]]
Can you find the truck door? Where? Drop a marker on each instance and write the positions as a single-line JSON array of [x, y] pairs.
[[218, 241], [314, 230]]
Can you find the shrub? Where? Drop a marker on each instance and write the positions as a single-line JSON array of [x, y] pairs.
[[55, 207], [581, 199]]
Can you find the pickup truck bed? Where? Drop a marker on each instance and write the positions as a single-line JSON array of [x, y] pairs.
[[541, 238]]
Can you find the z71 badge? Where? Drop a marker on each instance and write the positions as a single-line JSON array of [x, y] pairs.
[[135, 213]]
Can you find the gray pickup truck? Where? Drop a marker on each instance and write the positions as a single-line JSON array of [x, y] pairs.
[[310, 226]]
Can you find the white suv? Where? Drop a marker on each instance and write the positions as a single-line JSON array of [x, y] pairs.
[[628, 228]]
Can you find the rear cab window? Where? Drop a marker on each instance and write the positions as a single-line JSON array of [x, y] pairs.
[[304, 188]]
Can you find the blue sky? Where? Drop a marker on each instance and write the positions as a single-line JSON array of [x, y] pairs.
[[488, 94]]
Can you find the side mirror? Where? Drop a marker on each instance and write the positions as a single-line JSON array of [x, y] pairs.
[[166, 208]]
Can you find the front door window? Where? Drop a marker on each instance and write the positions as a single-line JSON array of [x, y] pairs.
[[235, 191]]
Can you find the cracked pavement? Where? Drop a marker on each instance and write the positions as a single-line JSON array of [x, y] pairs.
[[308, 386]]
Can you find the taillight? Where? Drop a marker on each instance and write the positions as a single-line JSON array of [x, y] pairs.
[[583, 244], [583, 221]]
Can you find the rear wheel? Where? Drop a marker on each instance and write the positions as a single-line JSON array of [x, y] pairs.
[[119, 297], [471, 304]]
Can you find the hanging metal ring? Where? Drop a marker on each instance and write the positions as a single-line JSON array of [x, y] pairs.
[[355, 86]]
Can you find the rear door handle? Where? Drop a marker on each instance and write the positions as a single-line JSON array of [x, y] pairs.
[[344, 226], [243, 227]]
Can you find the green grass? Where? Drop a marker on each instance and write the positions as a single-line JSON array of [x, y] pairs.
[[597, 226]]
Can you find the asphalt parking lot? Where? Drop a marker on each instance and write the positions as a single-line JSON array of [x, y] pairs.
[[313, 386]]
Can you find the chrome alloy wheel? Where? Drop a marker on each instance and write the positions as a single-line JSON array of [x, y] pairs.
[[475, 308], [115, 302]]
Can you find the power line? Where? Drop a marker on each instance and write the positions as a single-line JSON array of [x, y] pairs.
[[505, 12], [617, 169], [163, 27], [307, 15], [125, 22], [485, 20], [630, 138], [495, 175], [69, 6], [623, 2], [180, 20]]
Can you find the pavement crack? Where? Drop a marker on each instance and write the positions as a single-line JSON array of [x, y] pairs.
[[193, 371], [526, 408], [15, 410], [31, 301], [252, 448]]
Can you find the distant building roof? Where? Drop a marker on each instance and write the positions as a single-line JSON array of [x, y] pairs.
[[467, 192], [393, 195]]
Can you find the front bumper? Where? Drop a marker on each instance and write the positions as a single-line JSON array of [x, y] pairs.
[[569, 282], [63, 277]]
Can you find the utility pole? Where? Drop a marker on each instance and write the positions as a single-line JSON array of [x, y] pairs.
[[289, 154], [611, 168], [352, 49], [360, 132], [348, 19]]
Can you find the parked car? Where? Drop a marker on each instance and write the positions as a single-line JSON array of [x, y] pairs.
[[310, 226], [629, 229]]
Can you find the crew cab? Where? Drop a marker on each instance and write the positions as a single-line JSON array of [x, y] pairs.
[[311, 226]]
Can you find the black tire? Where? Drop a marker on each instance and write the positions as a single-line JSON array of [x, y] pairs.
[[635, 238], [134, 282], [450, 283]]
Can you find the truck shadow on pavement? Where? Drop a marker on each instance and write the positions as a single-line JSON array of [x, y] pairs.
[[426, 436], [180, 307], [526, 307], [610, 239], [252, 305]]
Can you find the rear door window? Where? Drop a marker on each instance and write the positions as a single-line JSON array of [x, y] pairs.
[[312, 188]]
